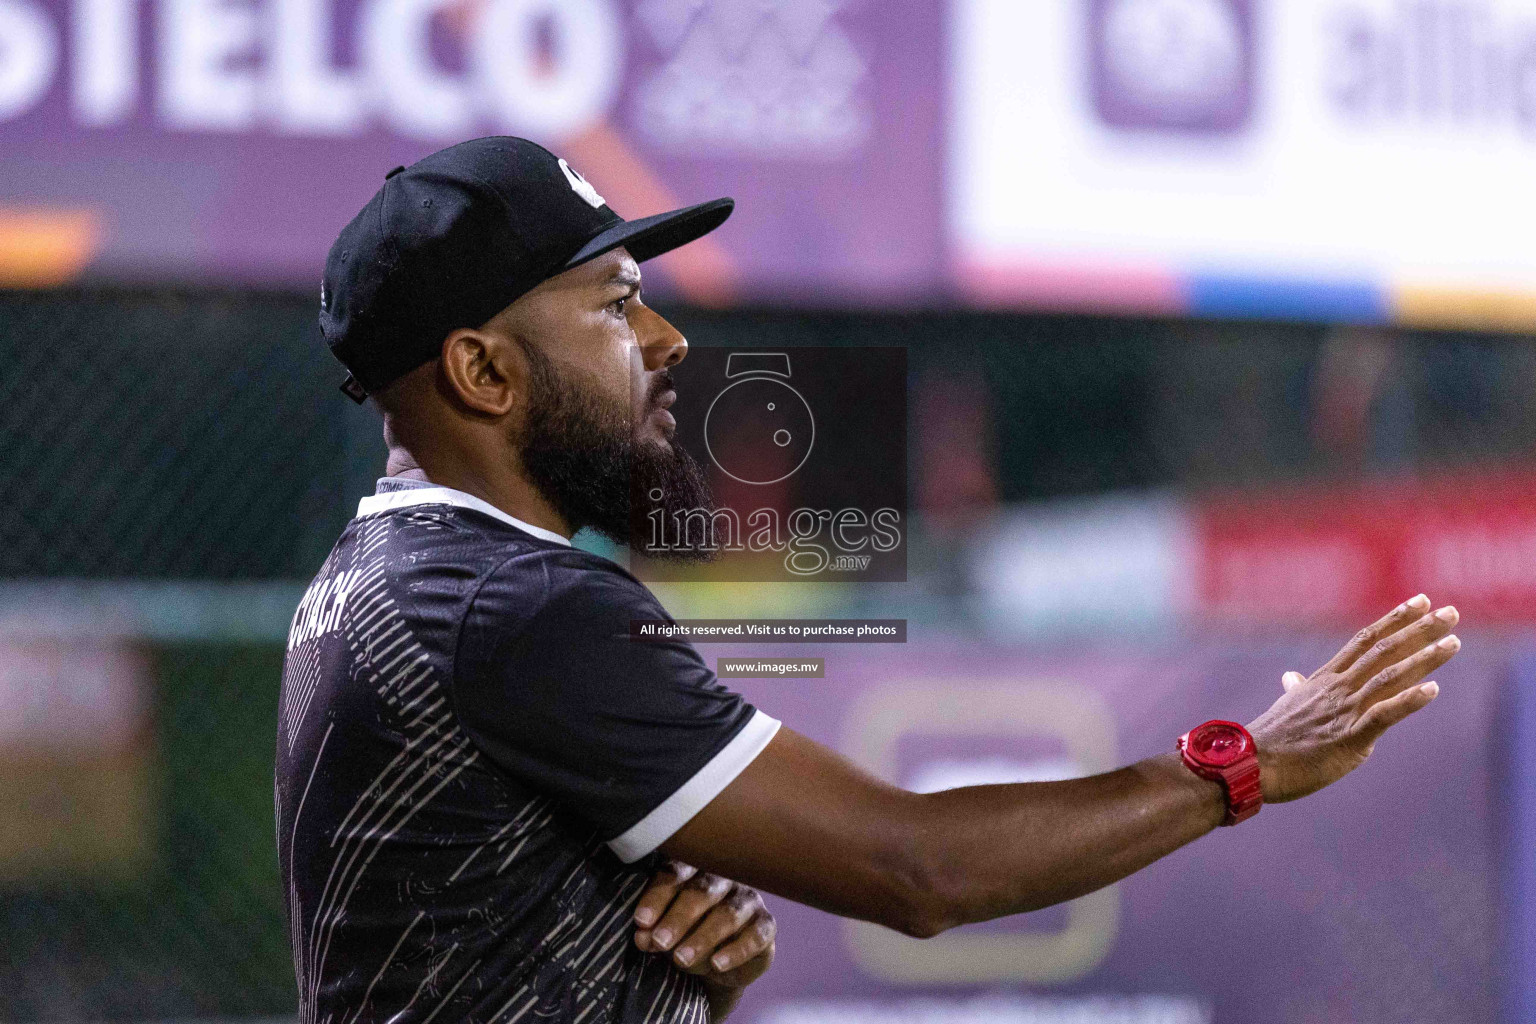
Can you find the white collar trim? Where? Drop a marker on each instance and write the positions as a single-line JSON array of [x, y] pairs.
[[435, 495]]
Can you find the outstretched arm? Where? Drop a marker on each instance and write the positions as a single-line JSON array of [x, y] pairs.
[[805, 823]]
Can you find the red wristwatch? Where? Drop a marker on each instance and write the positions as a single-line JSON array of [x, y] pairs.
[[1224, 751]]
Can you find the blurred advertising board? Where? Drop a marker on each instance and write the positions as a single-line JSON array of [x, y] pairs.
[[1321, 552], [77, 781], [1356, 160], [1305, 554], [1377, 901], [230, 140]]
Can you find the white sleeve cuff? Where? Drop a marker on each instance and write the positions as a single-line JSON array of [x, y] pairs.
[[694, 795]]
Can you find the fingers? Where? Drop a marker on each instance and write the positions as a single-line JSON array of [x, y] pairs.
[[1291, 680], [714, 924], [1387, 713], [1394, 679], [752, 942], [695, 898], [732, 920], [659, 895], [1404, 643], [1390, 623]]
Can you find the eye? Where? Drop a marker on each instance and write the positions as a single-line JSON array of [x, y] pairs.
[[618, 305]]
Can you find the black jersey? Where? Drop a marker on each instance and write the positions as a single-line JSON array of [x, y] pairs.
[[475, 765]]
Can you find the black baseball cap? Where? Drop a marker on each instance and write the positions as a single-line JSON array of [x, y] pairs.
[[456, 237]]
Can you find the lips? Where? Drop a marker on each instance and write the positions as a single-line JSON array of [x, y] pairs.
[[664, 419]]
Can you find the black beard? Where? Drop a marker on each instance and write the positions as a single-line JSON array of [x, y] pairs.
[[584, 457]]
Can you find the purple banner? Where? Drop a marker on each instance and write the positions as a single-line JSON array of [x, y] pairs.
[[1373, 902], [1520, 806], [230, 140]]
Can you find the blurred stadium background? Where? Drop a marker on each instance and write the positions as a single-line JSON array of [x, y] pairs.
[[1219, 317]]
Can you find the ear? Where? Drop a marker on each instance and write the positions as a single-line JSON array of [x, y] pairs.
[[484, 371]]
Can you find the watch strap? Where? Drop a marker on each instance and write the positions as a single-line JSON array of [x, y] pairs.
[[1244, 794]]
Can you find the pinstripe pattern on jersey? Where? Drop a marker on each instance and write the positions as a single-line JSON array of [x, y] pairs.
[[582, 955]]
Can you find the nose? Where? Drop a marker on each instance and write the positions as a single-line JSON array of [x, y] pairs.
[[661, 344]]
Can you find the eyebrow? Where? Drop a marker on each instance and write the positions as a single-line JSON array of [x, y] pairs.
[[626, 277]]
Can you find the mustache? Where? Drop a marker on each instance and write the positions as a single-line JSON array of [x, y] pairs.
[[661, 383]]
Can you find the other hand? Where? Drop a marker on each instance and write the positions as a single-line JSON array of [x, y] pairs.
[[713, 926]]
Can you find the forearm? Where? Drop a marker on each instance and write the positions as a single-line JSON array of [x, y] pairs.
[[807, 824], [989, 851]]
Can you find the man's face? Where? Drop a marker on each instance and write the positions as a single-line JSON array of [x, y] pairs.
[[597, 437]]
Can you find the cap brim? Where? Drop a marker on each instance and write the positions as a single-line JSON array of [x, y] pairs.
[[652, 236]]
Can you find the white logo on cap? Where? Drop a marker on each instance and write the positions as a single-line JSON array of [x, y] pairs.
[[581, 186]]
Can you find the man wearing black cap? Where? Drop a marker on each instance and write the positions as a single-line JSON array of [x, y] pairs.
[[478, 773]]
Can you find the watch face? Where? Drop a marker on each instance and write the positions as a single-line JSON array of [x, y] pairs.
[[1218, 744]]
